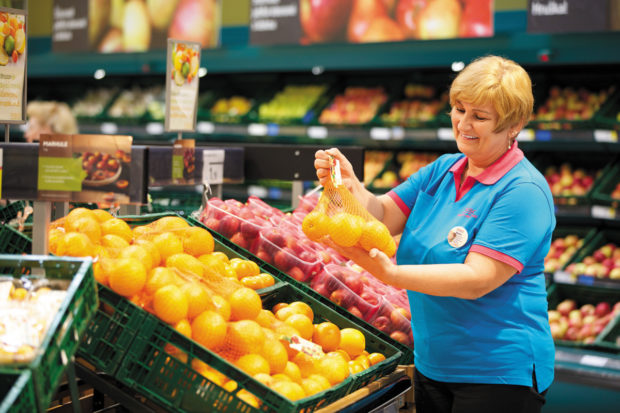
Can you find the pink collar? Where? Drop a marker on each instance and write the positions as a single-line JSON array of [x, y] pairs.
[[493, 173]]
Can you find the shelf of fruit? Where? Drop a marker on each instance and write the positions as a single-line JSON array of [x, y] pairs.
[[293, 104], [214, 327], [420, 106], [277, 238], [402, 166]]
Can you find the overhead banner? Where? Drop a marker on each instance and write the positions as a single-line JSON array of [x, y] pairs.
[[116, 26], [569, 16], [182, 63], [367, 21], [12, 65]]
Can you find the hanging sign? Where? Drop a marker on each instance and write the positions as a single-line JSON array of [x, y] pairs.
[[183, 161], [567, 16], [213, 166], [84, 168], [183, 62], [12, 65]]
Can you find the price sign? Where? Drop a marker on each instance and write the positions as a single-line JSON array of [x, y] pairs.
[[154, 128], [109, 128], [595, 361], [257, 129], [601, 211], [213, 166], [380, 134], [605, 135], [317, 132], [445, 134], [526, 135], [205, 127]]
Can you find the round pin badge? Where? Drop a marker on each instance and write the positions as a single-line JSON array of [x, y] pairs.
[[457, 237]]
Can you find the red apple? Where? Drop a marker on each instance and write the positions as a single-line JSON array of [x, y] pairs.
[[587, 309], [362, 15], [554, 315], [284, 260], [614, 274], [369, 297], [275, 237], [403, 312], [228, 226], [297, 274], [401, 337], [212, 223], [556, 331], [238, 239], [249, 228], [382, 323], [602, 309], [324, 20], [399, 320], [566, 306], [264, 256], [321, 289], [355, 311], [571, 333], [354, 283], [407, 12], [342, 297], [589, 319], [476, 20]]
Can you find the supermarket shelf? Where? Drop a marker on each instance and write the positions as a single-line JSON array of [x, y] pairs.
[[588, 367]]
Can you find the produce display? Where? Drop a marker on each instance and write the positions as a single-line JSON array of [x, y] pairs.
[[569, 104], [278, 239], [374, 162], [420, 106], [27, 309], [291, 103], [94, 102], [226, 108], [604, 262], [567, 181], [356, 106], [583, 323], [134, 103], [411, 162], [561, 251]]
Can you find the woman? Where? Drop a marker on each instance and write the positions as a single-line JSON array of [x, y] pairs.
[[475, 227], [48, 117]]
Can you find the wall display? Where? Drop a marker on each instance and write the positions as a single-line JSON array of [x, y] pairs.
[[367, 21], [112, 26], [182, 64], [84, 168], [571, 16], [12, 65]]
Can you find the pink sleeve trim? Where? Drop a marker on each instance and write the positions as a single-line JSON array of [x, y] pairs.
[[399, 202], [499, 256]]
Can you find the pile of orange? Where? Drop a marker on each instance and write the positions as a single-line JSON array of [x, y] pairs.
[[348, 230], [171, 270]]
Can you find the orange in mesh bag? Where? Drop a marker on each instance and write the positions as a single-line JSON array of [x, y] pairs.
[[339, 215]]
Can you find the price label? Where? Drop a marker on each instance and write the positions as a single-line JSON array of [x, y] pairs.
[[398, 133], [380, 134], [109, 128], [155, 128], [317, 132], [257, 129], [601, 135], [604, 212], [595, 361], [564, 277], [445, 134], [205, 127], [213, 166], [526, 135]]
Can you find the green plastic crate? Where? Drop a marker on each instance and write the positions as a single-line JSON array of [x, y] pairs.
[[13, 242], [173, 384], [16, 393], [601, 194], [610, 338], [10, 211], [585, 295], [63, 335]]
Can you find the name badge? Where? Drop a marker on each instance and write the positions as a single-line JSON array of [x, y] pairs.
[[457, 237]]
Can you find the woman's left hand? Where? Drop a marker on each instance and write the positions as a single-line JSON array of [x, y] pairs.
[[373, 261]]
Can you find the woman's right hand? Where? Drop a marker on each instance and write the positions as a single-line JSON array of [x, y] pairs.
[[322, 164]]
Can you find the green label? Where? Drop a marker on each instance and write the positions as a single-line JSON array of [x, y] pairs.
[[177, 166], [60, 174]]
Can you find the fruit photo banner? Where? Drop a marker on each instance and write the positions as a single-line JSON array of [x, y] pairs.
[[12, 65], [116, 26], [182, 63], [367, 21]]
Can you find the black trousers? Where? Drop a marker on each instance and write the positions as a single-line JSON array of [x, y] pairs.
[[440, 397]]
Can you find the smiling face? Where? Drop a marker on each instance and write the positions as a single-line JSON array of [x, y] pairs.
[[474, 130]]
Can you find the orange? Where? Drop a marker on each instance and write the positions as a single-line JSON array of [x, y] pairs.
[[118, 227], [139, 253], [151, 248], [311, 386], [75, 214], [253, 364], [302, 308], [20, 293], [88, 226], [221, 256], [333, 368], [266, 379], [269, 334], [345, 356], [316, 225], [265, 318], [249, 398], [114, 244], [289, 389], [198, 299], [75, 244], [170, 304], [345, 229], [54, 237], [184, 328], [102, 215], [375, 358], [292, 371], [230, 386], [244, 268], [352, 341], [142, 231], [244, 336], [168, 244], [171, 223], [325, 384], [254, 282], [267, 280], [100, 275], [374, 235], [209, 329], [326, 335], [281, 377], [126, 276], [222, 307], [285, 312], [306, 364], [213, 263], [390, 250], [185, 263], [245, 304], [197, 241], [276, 355], [302, 324], [159, 277], [363, 360], [278, 307], [355, 367]]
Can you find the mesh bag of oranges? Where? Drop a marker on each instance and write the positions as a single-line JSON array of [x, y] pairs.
[[341, 217]]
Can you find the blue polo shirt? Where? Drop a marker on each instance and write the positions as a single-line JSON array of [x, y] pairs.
[[507, 213]]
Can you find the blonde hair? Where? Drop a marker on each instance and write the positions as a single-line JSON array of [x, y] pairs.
[[499, 81], [56, 115]]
